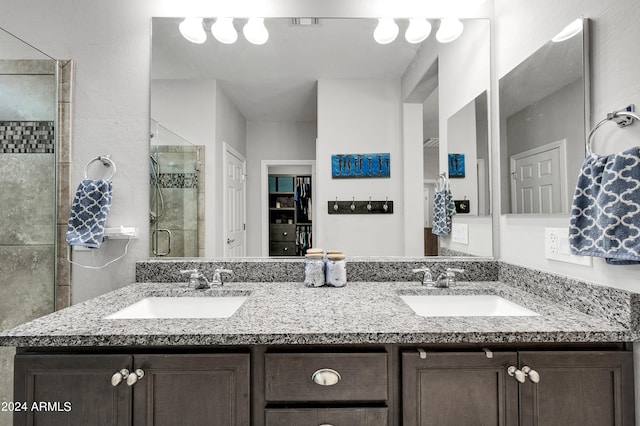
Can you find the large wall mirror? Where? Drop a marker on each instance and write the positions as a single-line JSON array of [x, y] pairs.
[[261, 123], [544, 105]]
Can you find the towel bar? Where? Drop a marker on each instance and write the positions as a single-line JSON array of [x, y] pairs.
[[623, 118], [106, 161]]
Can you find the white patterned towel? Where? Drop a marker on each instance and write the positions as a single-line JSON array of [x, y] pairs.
[[605, 217], [443, 209], [89, 213]]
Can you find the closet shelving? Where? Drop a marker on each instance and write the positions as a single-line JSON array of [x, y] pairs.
[[290, 219]]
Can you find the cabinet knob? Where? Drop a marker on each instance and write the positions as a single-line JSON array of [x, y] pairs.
[[325, 424], [286, 249], [134, 377], [326, 377], [119, 376], [531, 374], [285, 234], [517, 374]]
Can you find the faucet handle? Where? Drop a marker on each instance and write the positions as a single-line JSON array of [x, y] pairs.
[[427, 278], [452, 271], [189, 271], [217, 276]]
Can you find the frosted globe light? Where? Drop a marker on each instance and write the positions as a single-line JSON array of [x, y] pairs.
[[569, 31], [450, 29], [255, 31], [418, 30], [192, 30], [224, 31], [386, 31]]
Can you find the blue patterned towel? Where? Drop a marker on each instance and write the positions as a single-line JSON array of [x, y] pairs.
[[605, 217], [443, 209], [89, 213]]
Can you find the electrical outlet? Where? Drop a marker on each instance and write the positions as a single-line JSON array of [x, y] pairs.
[[460, 233], [556, 247]]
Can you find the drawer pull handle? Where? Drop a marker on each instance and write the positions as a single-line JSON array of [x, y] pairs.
[[326, 377]]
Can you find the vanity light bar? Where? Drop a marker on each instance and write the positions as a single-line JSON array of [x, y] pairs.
[[193, 29], [418, 30]]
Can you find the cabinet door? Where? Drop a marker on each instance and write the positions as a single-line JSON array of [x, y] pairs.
[[71, 390], [578, 388], [192, 390], [459, 389]]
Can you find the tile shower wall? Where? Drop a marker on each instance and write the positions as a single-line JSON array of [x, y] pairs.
[[176, 200], [27, 199]]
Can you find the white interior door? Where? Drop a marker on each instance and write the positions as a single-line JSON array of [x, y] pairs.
[[235, 203], [538, 179]]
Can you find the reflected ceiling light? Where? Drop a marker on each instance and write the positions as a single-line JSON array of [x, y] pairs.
[[192, 30], [255, 31], [386, 31], [569, 31], [418, 30], [450, 29], [224, 31]]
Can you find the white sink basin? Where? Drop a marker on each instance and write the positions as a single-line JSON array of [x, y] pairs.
[[465, 306], [181, 307]]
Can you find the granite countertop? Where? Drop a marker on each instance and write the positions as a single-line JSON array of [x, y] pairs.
[[289, 313]]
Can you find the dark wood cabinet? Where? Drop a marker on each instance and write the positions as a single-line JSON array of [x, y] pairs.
[[369, 416], [192, 390], [575, 388], [458, 389], [591, 388], [71, 390], [184, 389]]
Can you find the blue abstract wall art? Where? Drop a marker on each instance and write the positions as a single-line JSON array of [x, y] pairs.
[[456, 165], [375, 165]]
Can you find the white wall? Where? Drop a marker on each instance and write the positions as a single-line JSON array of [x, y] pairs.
[[522, 27], [268, 140], [359, 116]]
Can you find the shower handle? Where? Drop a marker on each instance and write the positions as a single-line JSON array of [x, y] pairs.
[[155, 242]]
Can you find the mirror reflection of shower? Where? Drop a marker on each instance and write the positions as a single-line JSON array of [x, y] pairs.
[[176, 173]]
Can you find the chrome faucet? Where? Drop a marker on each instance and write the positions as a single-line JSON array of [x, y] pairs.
[[427, 278], [217, 277], [197, 280], [447, 278]]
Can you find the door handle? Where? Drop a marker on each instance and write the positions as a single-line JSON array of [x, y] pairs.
[[230, 240], [155, 242]]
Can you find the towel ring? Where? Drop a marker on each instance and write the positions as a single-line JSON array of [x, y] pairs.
[[622, 118], [106, 161], [442, 182]]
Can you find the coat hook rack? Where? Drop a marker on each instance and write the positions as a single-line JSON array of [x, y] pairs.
[[360, 207]]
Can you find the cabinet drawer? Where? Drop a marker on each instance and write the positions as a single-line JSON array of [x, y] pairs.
[[282, 232], [363, 377], [327, 416], [280, 248]]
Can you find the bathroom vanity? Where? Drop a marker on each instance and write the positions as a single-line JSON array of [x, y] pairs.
[[358, 355]]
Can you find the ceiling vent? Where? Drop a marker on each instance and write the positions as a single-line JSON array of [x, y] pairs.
[[431, 143], [304, 22]]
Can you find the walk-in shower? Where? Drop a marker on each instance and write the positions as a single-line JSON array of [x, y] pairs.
[[176, 205]]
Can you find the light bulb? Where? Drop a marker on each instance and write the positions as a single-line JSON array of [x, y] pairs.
[[192, 30], [386, 31], [450, 29], [569, 31], [255, 31], [224, 31], [418, 30]]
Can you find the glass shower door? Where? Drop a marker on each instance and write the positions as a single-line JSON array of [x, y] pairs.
[[175, 215]]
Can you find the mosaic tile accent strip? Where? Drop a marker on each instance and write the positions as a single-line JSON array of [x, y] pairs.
[[178, 180], [26, 137]]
